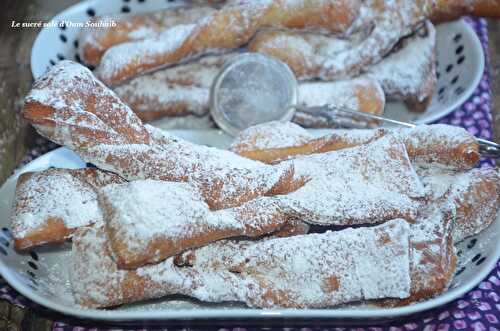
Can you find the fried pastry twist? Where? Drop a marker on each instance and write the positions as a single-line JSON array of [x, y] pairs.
[[49, 205], [228, 28], [439, 10], [380, 25], [446, 10], [384, 188], [407, 73], [95, 41], [176, 91], [185, 89], [446, 145], [72, 108], [318, 270], [432, 257], [142, 229], [459, 205], [471, 197]]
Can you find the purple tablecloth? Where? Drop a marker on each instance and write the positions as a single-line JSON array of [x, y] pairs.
[[477, 310]]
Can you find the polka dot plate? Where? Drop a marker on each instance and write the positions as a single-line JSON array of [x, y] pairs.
[[460, 58], [42, 274]]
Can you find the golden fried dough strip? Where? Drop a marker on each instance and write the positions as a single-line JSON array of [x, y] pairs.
[[447, 10], [275, 141], [143, 229], [440, 10], [71, 107], [95, 41], [472, 197], [432, 257], [228, 28], [446, 145], [338, 191], [49, 205], [407, 73], [317, 270], [176, 91], [382, 25], [477, 198], [461, 204], [359, 94], [185, 89]]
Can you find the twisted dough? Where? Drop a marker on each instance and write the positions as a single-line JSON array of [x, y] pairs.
[[316, 270], [449, 146], [460, 205], [95, 41], [441, 10], [228, 28], [384, 188], [471, 197], [407, 73], [49, 205], [177, 91], [142, 229], [70, 107], [380, 25], [185, 89], [446, 10], [432, 256]]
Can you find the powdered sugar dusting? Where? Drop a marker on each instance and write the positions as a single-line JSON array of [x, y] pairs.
[[380, 189], [472, 197], [179, 90], [133, 27], [228, 28], [268, 273], [404, 73], [270, 135], [185, 89], [135, 151], [441, 145], [78, 101], [225, 178], [142, 212], [143, 52], [53, 194], [432, 254]]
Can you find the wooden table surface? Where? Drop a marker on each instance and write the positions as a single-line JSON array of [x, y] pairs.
[[16, 137]]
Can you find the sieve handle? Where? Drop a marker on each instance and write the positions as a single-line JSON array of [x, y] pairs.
[[331, 114]]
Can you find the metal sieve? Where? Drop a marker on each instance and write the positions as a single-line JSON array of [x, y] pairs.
[[251, 89]]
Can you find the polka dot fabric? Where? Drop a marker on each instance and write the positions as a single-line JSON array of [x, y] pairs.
[[478, 310]]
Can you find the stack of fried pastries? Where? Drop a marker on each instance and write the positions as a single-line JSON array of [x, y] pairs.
[[162, 216], [353, 54]]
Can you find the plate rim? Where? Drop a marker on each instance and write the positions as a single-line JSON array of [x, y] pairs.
[[460, 100], [62, 153]]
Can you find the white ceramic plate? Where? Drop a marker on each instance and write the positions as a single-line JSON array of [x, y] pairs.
[[42, 275], [460, 55]]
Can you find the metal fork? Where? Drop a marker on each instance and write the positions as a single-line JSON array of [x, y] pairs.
[[487, 148]]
